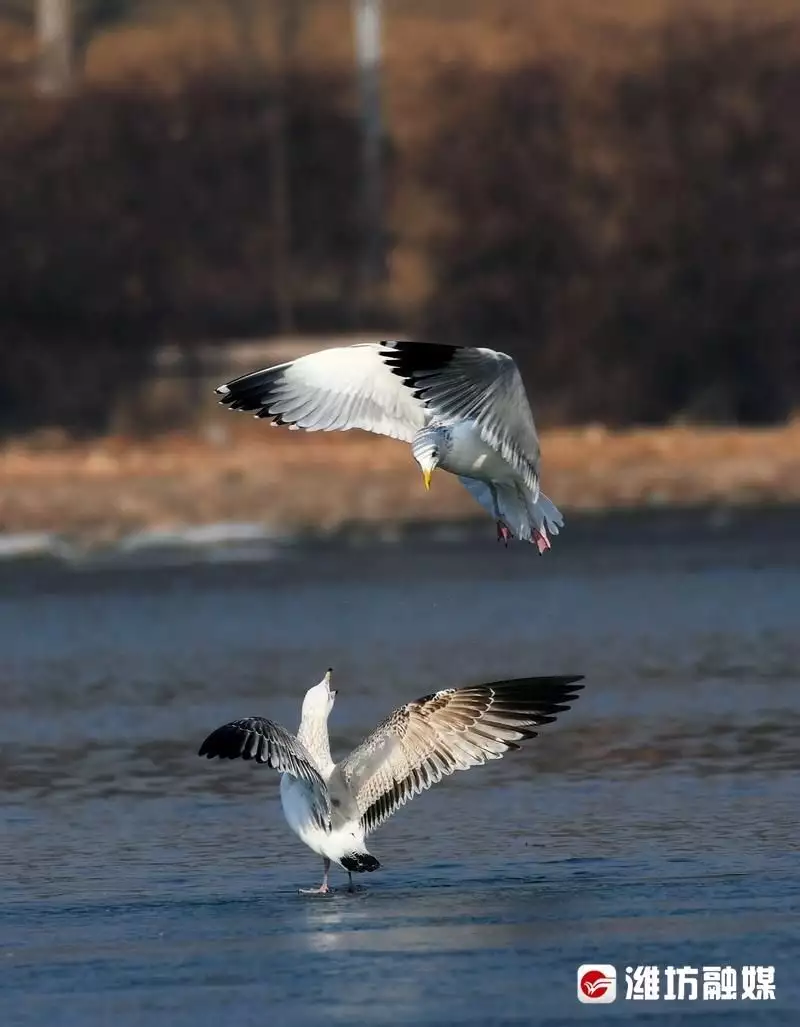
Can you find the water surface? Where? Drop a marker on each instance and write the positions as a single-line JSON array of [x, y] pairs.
[[655, 823]]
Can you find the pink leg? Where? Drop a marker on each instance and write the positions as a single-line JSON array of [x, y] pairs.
[[541, 539], [323, 888], [503, 534]]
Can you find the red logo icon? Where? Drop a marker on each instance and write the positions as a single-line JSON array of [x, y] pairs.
[[597, 982]]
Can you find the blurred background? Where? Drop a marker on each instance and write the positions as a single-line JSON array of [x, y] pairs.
[[190, 189]]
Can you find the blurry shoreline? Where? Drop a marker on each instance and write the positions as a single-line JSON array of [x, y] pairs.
[[238, 478]]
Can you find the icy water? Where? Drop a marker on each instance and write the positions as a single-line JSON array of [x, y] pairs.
[[656, 823]]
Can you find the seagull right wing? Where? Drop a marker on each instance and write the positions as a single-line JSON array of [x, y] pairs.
[[262, 740], [454, 729], [464, 382], [331, 390]]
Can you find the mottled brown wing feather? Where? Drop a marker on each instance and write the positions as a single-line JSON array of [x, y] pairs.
[[454, 729]]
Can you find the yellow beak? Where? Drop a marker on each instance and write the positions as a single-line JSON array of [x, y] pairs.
[[426, 477]]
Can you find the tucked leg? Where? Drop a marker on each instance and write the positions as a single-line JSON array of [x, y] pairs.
[[323, 888], [540, 539], [503, 534]]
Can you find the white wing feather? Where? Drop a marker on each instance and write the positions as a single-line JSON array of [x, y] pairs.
[[332, 390]]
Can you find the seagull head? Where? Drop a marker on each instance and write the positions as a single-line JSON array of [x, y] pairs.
[[318, 701], [428, 447]]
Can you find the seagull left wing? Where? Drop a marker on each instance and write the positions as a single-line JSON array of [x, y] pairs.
[[332, 390], [262, 740], [454, 729]]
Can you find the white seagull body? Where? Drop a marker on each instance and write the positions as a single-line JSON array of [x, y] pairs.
[[462, 409], [332, 807]]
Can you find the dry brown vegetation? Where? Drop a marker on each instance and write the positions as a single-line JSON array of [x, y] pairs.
[[609, 189], [245, 471]]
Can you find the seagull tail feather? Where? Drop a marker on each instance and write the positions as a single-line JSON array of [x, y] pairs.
[[546, 515], [359, 862]]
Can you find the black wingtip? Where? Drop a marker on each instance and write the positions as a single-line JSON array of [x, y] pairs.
[[251, 392], [409, 359], [238, 740], [211, 746], [566, 688], [206, 747], [554, 691], [554, 681]]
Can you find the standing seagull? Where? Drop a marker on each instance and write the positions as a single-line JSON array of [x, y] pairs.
[[462, 409], [333, 806]]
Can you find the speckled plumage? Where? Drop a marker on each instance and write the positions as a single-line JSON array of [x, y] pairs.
[[332, 807], [453, 729]]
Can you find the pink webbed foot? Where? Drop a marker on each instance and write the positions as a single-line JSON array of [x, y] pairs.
[[541, 540], [322, 890], [503, 534]]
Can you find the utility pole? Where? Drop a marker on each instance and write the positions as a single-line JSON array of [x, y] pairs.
[[367, 28], [288, 19], [54, 30]]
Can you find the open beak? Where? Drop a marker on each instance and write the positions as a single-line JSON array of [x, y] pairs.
[[426, 477]]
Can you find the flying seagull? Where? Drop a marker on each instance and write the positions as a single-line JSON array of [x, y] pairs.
[[332, 807], [462, 409]]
